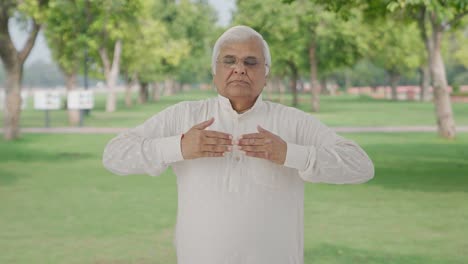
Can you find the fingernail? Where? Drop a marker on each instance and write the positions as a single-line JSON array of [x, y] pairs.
[[229, 149], [230, 136]]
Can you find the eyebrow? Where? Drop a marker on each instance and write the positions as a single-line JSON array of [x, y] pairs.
[[232, 56]]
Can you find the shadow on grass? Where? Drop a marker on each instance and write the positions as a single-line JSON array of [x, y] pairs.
[[327, 253], [427, 167], [21, 151], [27, 155], [7, 177]]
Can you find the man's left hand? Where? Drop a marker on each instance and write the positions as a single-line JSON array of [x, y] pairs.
[[264, 145]]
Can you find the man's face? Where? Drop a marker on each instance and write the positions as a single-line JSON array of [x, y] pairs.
[[240, 71]]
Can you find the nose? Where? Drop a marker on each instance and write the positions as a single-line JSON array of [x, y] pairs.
[[239, 68]]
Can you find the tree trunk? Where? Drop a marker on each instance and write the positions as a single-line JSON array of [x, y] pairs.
[[293, 82], [111, 73], [347, 79], [282, 91], [268, 88], [143, 93], [169, 86], [323, 86], [394, 80], [13, 61], [186, 87], [128, 94], [156, 92], [443, 105], [73, 114], [275, 88], [424, 82], [314, 83], [12, 109], [425, 68], [177, 86], [130, 82]]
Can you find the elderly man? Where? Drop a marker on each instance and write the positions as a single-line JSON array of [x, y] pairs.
[[241, 162]]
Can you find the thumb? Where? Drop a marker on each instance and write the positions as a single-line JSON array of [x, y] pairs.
[[261, 129], [204, 124]]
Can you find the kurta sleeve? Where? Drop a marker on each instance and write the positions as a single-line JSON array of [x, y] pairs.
[[320, 155], [149, 148]]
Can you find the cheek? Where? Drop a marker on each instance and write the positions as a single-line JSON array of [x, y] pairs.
[[218, 80]]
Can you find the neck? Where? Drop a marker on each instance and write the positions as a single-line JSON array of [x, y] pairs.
[[241, 107]]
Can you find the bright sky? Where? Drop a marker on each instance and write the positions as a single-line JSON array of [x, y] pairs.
[[42, 52]]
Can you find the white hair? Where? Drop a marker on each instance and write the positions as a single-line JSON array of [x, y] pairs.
[[239, 34]]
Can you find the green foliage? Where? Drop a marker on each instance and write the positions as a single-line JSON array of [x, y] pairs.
[[290, 28], [171, 39], [194, 24], [149, 47], [109, 21], [396, 46], [444, 11], [66, 33], [34, 9], [279, 26]]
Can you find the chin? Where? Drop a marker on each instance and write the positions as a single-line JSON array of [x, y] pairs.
[[238, 91]]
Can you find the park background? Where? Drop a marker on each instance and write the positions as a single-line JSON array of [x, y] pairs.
[[358, 66]]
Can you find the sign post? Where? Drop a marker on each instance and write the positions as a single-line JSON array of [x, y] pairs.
[[80, 100], [47, 100]]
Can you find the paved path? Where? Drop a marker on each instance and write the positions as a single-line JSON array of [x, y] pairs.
[[115, 130]]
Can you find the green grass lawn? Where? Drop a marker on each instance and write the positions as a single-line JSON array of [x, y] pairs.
[[59, 205], [344, 110]]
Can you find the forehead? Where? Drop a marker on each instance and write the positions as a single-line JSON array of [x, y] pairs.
[[248, 48]]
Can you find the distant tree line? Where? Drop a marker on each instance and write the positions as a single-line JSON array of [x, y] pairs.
[[364, 73]]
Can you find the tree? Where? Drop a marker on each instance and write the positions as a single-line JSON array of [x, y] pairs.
[[109, 24], [65, 33], [150, 49], [436, 17], [396, 48], [195, 22], [304, 37], [32, 12], [280, 27]]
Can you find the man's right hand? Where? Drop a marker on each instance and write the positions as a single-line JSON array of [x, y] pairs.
[[198, 142]]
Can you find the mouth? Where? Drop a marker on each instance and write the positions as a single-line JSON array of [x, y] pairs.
[[238, 82]]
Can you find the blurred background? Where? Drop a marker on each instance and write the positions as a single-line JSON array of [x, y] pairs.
[[389, 74]]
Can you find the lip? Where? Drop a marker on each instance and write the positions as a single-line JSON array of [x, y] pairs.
[[238, 81]]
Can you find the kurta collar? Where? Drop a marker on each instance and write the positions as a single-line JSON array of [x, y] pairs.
[[226, 105]]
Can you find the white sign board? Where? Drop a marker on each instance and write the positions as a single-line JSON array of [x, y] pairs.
[[24, 99], [83, 99], [46, 100]]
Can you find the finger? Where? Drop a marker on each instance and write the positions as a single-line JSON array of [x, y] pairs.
[[212, 154], [262, 130], [204, 124], [252, 135], [215, 148], [217, 141], [216, 134], [253, 141], [262, 148]]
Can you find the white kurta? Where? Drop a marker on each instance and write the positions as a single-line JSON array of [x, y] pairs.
[[238, 209]]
